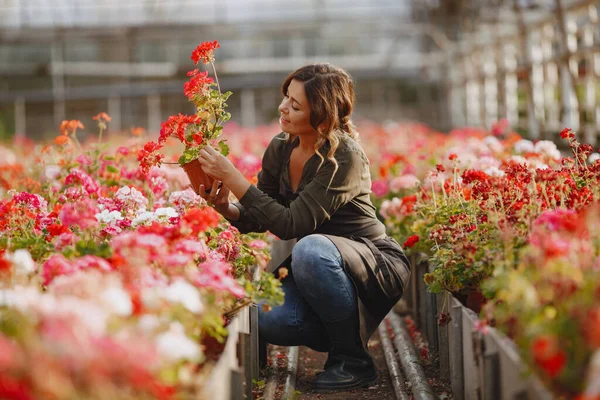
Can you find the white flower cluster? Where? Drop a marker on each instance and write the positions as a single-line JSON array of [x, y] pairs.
[[162, 214], [22, 263], [542, 147], [109, 217], [179, 291]]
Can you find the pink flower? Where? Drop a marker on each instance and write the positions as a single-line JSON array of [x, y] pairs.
[[63, 240], [90, 261], [403, 182], [177, 260], [482, 326], [258, 244], [215, 275], [81, 214], [84, 160], [559, 219], [379, 187], [108, 204], [123, 151], [78, 176], [55, 266], [130, 201], [73, 194], [34, 202], [191, 247]]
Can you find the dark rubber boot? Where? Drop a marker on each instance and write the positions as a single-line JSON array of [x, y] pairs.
[[349, 365]]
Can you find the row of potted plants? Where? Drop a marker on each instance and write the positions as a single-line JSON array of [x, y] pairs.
[[116, 279], [510, 228]]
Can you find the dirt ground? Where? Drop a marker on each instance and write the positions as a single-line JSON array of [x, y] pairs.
[[311, 362]]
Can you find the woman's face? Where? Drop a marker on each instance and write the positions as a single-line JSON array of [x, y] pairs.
[[294, 111]]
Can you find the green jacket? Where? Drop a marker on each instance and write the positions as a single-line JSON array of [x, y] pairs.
[[337, 206]]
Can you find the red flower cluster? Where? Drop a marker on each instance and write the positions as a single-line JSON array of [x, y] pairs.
[[149, 156], [175, 126], [548, 355], [567, 133], [411, 241], [200, 219], [199, 84], [471, 175], [205, 52]]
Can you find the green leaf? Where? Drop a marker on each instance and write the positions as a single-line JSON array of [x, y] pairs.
[[224, 148], [112, 169]]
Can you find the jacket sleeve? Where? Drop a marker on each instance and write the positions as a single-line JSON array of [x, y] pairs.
[[316, 203], [268, 183]]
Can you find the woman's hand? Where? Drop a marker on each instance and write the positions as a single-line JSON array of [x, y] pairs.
[[220, 168], [217, 196], [215, 164]]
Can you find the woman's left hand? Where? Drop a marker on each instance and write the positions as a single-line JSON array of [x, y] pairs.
[[215, 164]]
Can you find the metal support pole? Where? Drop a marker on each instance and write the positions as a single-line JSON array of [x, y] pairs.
[[570, 102], [248, 108], [20, 117], [58, 82], [534, 131], [114, 110], [154, 116]]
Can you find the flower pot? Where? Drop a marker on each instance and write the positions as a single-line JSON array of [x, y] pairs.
[[197, 176]]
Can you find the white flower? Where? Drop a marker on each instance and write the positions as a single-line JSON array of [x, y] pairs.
[[547, 148], [22, 262], [187, 196], [406, 181], [51, 172], [537, 164], [181, 291], [117, 300], [518, 159], [174, 345], [593, 157], [109, 217], [167, 212], [493, 143], [486, 162], [151, 298], [524, 146], [143, 218], [494, 171], [148, 323], [7, 157]]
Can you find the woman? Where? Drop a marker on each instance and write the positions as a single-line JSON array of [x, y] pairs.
[[345, 272]]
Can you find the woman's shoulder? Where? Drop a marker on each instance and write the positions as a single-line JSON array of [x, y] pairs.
[[277, 145], [349, 147]]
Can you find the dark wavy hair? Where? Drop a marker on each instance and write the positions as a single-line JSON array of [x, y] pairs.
[[330, 93]]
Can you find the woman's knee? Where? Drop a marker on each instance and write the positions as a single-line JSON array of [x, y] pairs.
[[313, 250], [273, 323]]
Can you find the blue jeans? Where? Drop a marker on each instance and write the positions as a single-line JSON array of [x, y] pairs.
[[317, 291]]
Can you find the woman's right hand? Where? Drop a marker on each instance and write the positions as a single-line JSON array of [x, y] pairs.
[[217, 196]]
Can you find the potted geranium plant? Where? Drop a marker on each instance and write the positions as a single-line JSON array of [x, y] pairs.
[[198, 130]]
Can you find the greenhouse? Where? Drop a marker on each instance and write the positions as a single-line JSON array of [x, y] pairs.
[[318, 199]]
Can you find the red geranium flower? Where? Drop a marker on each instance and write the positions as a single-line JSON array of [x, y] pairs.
[[205, 52], [411, 241]]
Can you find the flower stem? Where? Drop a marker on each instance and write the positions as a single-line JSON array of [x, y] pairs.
[[216, 77], [77, 143]]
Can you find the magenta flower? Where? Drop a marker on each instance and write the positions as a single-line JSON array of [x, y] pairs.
[[81, 214], [379, 188]]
